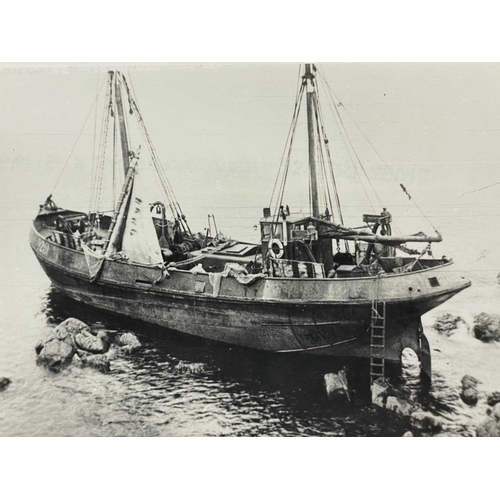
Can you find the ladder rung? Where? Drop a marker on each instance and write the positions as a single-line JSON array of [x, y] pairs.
[[377, 340]]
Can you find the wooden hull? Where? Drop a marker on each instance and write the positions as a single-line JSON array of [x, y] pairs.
[[316, 316]]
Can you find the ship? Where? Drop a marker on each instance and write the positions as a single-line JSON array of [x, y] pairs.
[[312, 285]]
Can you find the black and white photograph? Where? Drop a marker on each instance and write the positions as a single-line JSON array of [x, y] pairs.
[[251, 250], [228, 226]]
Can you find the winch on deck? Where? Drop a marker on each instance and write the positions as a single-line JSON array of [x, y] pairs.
[[295, 245]]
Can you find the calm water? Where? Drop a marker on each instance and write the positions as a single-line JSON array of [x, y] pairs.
[[442, 143]]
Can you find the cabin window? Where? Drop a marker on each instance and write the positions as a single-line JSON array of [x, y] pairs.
[[272, 231]]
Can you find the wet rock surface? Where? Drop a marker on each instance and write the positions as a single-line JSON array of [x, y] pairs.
[[487, 327], [128, 342], [89, 342], [493, 398], [4, 383], [194, 368], [469, 393], [399, 406], [425, 422], [490, 426], [336, 385], [447, 324], [55, 354], [73, 342]]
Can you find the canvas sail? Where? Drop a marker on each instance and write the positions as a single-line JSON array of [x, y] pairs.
[[140, 241], [121, 218]]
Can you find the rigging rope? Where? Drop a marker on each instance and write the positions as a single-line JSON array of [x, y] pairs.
[[173, 204], [378, 154], [74, 145], [291, 135], [481, 189], [330, 163], [300, 88], [103, 146]]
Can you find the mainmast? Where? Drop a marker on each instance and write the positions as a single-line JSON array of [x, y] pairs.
[[309, 77], [121, 123]]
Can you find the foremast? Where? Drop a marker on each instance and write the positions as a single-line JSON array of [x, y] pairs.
[[121, 121]]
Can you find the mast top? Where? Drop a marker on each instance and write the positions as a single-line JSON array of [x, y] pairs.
[[309, 76]]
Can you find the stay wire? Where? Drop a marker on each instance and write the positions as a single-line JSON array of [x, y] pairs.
[[74, 145], [335, 115], [330, 163], [299, 91], [378, 154], [156, 161], [295, 118], [94, 142], [110, 112], [173, 205], [101, 154]]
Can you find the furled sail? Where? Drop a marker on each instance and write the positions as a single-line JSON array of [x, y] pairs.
[[121, 218], [140, 241]]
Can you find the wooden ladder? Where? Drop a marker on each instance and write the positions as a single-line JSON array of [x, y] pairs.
[[377, 341]]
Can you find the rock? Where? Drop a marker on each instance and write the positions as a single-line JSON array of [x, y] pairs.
[[425, 422], [468, 381], [183, 367], [399, 406], [4, 382], [69, 329], [469, 396], [55, 354], [379, 388], [39, 346], [488, 428], [487, 327], [408, 434], [496, 412], [81, 354], [87, 341], [493, 398], [129, 342], [113, 353], [105, 338], [336, 385], [98, 361], [77, 360], [447, 324], [469, 393]]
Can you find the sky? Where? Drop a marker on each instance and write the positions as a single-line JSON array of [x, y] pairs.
[[220, 130]]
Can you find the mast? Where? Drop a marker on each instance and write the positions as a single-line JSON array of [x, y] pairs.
[[309, 76], [121, 123]]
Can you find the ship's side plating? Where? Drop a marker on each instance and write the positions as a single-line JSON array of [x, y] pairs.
[[316, 316]]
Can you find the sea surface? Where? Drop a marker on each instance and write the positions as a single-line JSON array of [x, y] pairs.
[[237, 392]]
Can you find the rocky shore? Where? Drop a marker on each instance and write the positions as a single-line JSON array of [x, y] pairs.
[[73, 342]]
